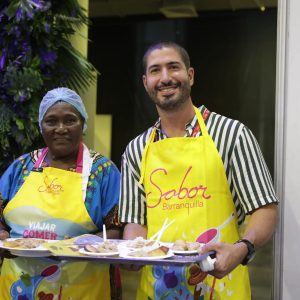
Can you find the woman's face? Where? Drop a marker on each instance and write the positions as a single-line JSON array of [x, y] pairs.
[[62, 129]]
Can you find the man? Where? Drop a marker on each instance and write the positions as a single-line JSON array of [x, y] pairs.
[[203, 170]]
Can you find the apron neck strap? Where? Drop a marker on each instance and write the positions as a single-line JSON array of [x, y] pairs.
[[201, 122], [143, 164], [41, 158], [79, 161]]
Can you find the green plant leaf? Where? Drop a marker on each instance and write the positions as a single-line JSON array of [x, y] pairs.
[[20, 124]]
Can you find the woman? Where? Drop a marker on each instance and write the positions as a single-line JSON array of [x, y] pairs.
[[62, 190]]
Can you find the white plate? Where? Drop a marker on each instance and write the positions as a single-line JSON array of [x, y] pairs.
[[187, 252], [126, 255], [127, 245], [39, 251], [83, 251], [17, 249], [31, 253]]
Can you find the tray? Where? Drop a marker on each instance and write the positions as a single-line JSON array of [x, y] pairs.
[[176, 260], [72, 250]]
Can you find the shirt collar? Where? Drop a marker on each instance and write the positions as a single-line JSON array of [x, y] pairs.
[[188, 127]]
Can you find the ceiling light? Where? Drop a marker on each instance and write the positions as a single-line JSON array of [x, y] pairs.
[[260, 5], [178, 9]]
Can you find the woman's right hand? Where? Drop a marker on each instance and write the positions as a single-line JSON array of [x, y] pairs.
[[5, 253], [4, 234]]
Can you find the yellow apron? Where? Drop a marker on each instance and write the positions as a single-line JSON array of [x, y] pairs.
[[50, 205], [184, 179]]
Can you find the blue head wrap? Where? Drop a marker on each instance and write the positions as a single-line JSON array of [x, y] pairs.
[[62, 94]]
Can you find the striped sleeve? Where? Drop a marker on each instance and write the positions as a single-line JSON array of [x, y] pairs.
[[248, 177], [132, 195], [251, 179]]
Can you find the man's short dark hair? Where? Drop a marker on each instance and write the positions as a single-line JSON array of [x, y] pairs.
[[166, 44]]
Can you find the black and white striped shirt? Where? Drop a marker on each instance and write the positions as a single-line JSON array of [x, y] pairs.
[[248, 177]]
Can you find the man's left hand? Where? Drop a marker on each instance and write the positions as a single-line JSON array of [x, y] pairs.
[[228, 257]]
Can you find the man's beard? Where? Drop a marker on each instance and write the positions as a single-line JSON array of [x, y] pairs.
[[172, 102]]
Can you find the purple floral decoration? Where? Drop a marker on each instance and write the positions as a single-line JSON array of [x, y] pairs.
[[33, 37], [48, 57]]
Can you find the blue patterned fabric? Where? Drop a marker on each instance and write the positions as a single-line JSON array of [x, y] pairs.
[[102, 194]]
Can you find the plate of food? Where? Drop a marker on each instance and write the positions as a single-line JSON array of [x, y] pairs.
[[26, 247], [107, 248], [140, 243], [182, 247], [147, 253], [137, 243]]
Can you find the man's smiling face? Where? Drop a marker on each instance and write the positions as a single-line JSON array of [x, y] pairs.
[[167, 80]]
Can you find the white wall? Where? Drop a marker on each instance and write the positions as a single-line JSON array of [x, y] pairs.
[[288, 149]]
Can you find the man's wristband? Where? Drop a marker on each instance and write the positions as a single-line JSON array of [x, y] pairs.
[[251, 251]]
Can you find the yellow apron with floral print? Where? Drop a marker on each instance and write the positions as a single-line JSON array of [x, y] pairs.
[[184, 180], [50, 205]]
